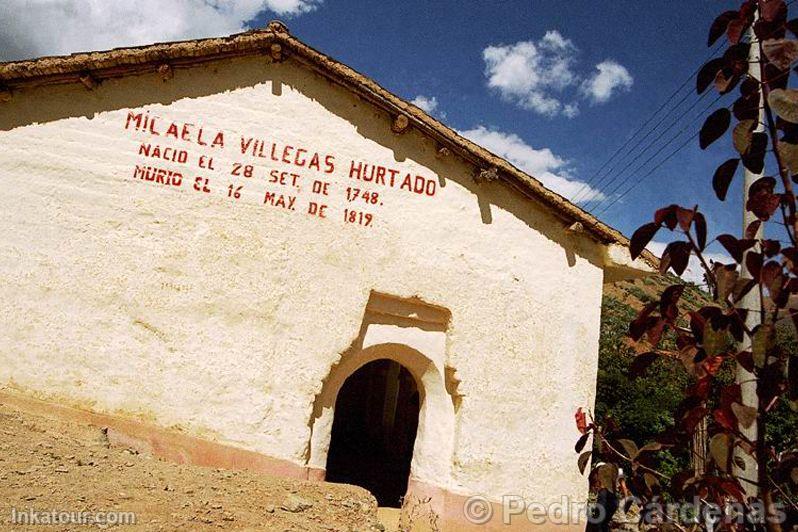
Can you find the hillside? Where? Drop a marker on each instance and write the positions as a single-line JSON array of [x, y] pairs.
[[637, 293], [646, 405]]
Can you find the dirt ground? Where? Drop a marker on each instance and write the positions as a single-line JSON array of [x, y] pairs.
[[48, 465]]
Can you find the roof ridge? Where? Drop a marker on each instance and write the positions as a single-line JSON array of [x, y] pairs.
[[123, 61]]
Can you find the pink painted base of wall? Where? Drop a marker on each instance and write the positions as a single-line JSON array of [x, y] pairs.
[[184, 449], [163, 443]]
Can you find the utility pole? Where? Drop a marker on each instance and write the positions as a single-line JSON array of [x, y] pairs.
[[744, 378]]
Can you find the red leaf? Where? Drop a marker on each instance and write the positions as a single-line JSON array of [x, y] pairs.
[[770, 247], [752, 230], [655, 330], [712, 365], [678, 256], [700, 224], [725, 418], [669, 299], [749, 86], [754, 158], [746, 107], [701, 388], [746, 360], [735, 30], [723, 177], [753, 261], [685, 217], [708, 73], [792, 367], [714, 127], [732, 487], [735, 247], [693, 417], [764, 29], [667, 215], [761, 200], [772, 10], [771, 275], [639, 325], [729, 394], [641, 363], [763, 184], [641, 238], [736, 59], [719, 26], [763, 205], [581, 420], [725, 80]]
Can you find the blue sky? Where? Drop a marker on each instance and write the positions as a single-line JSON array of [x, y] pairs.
[[475, 59]]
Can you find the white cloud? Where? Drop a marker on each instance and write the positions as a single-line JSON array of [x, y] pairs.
[[570, 110], [31, 28], [528, 72], [694, 272], [426, 104], [539, 75], [611, 77], [542, 164]]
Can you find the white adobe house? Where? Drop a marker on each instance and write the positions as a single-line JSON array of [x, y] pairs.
[[309, 276]]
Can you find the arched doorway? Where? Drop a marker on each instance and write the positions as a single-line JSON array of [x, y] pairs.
[[374, 430]]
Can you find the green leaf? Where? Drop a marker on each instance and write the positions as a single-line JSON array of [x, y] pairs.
[[651, 480], [785, 103], [789, 155], [653, 446], [781, 52], [715, 340], [746, 415], [742, 135], [720, 449], [761, 344], [630, 448]]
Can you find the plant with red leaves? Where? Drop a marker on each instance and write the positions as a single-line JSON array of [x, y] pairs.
[[708, 337]]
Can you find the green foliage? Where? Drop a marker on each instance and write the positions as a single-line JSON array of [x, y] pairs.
[[644, 407], [782, 429]]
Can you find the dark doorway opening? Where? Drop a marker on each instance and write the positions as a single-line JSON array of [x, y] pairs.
[[374, 430]]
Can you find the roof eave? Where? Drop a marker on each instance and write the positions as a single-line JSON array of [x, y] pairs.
[[143, 59]]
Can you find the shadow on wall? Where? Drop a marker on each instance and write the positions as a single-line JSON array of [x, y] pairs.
[[57, 102]]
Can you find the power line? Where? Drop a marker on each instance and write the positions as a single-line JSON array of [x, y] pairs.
[[586, 185], [594, 198], [634, 185], [620, 182], [657, 166]]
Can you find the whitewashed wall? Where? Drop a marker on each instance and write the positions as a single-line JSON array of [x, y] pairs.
[[223, 315]]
